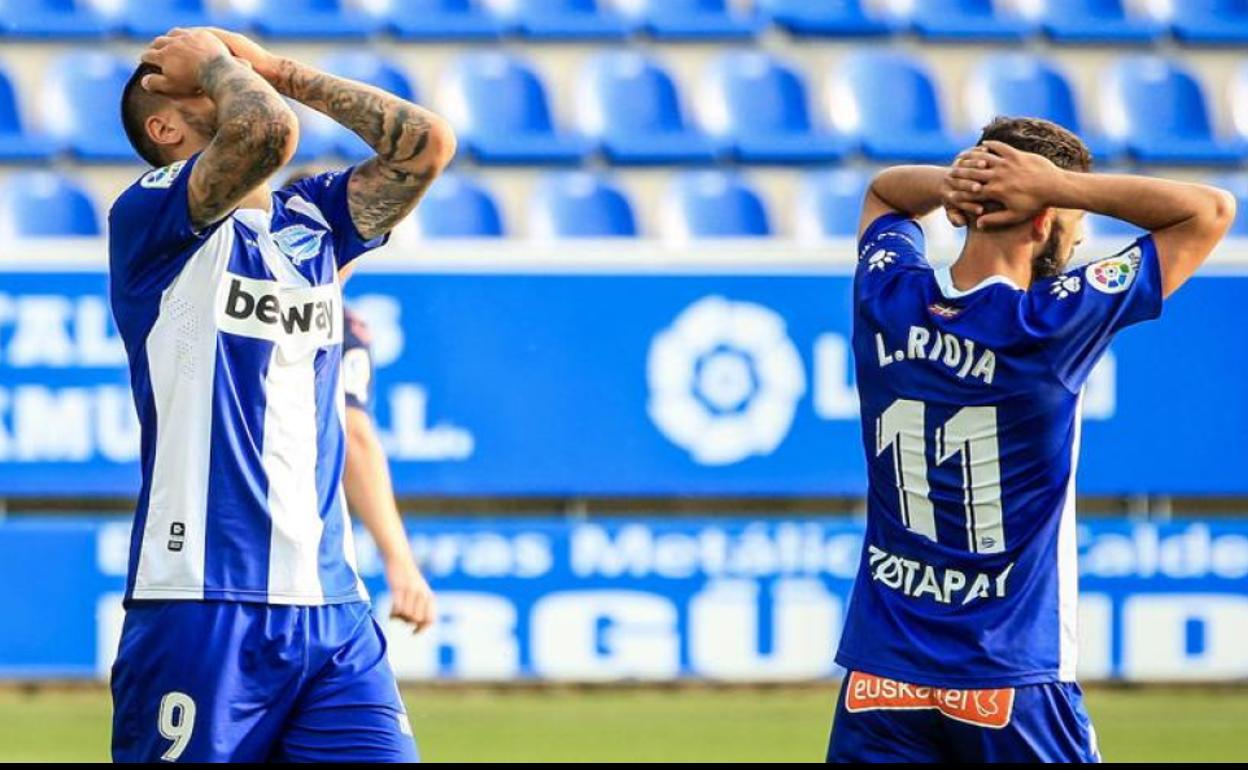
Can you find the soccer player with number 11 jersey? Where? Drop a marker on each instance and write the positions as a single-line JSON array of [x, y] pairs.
[[960, 639]]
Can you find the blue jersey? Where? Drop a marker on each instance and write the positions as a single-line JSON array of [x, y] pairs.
[[234, 335], [970, 421]]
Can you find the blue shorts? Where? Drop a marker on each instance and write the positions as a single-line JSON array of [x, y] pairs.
[[237, 682], [881, 720]]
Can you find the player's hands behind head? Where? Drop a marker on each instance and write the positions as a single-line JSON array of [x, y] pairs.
[[181, 55], [247, 50], [998, 185]]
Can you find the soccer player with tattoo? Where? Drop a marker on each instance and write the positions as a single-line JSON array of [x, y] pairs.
[[248, 634]]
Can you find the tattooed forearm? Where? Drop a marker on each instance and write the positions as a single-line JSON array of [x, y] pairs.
[[413, 145], [256, 134]]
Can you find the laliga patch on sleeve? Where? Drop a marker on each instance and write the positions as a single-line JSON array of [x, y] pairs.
[[1114, 275], [162, 178]]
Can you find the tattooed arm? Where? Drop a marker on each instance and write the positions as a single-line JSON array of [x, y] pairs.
[[256, 130], [413, 145]]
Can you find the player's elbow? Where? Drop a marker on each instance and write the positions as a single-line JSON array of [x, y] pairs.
[[1222, 210], [442, 143]]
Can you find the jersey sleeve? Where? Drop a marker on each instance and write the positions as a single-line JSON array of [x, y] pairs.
[[328, 192], [890, 244], [1077, 314], [150, 224], [357, 364]]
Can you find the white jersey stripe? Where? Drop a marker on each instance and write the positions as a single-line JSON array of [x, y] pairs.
[[181, 355], [1068, 566]]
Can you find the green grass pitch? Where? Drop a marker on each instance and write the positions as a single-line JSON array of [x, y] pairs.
[[682, 724]]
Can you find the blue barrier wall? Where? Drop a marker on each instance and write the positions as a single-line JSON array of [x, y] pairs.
[[724, 599], [516, 384]]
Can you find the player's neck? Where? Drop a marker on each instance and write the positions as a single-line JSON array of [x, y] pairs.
[[258, 198], [982, 259]]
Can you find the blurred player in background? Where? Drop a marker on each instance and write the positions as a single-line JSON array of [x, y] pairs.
[[960, 639], [248, 634]]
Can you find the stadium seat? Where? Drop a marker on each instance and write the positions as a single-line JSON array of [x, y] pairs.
[[888, 101], [80, 88], [1022, 84], [17, 143], [1158, 108], [760, 103], [366, 67], [498, 105], [1096, 22], [146, 19], [569, 20], [1210, 22], [578, 204], [960, 20], [310, 19], [697, 20], [831, 18], [714, 204], [830, 203], [629, 102], [458, 207], [39, 204], [51, 19], [1100, 227], [1237, 185], [443, 20]]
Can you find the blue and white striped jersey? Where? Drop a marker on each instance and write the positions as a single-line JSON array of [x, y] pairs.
[[234, 335], [970, 421]]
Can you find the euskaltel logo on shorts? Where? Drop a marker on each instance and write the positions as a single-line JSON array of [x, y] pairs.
[[299, 319]]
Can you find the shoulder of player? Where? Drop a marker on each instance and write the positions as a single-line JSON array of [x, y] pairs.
[[1108, 276], [153, 183]]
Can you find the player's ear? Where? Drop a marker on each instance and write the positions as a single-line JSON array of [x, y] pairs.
[[162, 129], [1042, 225]]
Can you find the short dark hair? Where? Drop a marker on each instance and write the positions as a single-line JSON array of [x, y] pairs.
[[137, 105], [1042, 137]]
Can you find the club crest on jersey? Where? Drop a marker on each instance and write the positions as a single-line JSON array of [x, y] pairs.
[[1115, 274], [298, 319], [880, 259], [1065, 286], [162, 178], [299, 242]]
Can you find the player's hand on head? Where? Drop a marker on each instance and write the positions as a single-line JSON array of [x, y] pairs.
[[248, 51], [180, 54], [961, 198], [1022, 183], [411, 599]]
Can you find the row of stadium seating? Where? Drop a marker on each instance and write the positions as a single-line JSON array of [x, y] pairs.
[[752, 107], [1197, 22], [570, 204]]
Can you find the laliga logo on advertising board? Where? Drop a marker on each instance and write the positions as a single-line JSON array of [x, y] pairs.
[[725, 381]]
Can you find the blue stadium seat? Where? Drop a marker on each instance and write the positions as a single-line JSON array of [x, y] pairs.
[[1158, 107], [146, 19], [43, 204], [51, 19], [888, 101], [957, 20], [831, 18], [760, 103], [831, 203], [1102, 227], [1097, 21], [569, 20], [312, 19], [578, 204], [1237, 185], [498, 104], [366, 67], [80, 100], [1210, 22], [458, 207], [715, 204], [629, 101], [1022, 84], [17, 142], [443, 20], [698, 20]]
